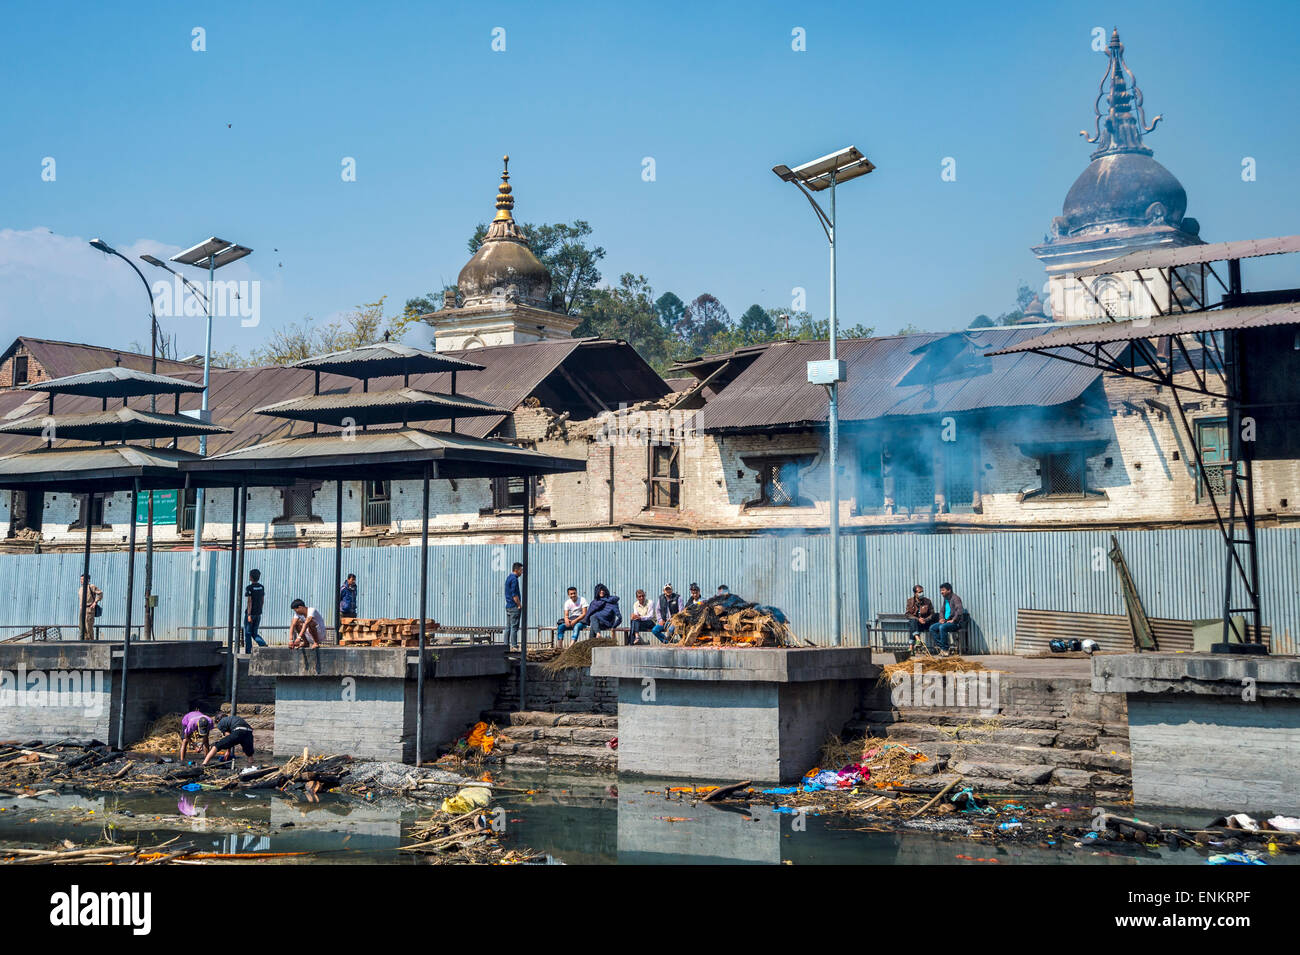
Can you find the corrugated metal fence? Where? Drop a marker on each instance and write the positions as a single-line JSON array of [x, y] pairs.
[[1179, 573]]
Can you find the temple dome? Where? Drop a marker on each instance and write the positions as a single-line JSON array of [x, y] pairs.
[[504, 269], [1123, 189]]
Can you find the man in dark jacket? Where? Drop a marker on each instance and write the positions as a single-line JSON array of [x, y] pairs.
[[603, 612], [920, 611], [238, 733], [950, 618], [348, 597], [669, 603]]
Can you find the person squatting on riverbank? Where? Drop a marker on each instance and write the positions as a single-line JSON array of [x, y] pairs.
[[238, 733]]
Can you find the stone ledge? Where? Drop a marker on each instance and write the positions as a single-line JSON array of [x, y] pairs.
[[378, 662], [1199, 674], [753, 665]]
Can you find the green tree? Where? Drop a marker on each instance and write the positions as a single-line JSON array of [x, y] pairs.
[[563, 249], [757, 324], [982, 321], [670, 310], [628, 311], [1024, 295]]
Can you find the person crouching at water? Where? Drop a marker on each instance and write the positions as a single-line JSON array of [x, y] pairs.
[[307, 623], [238, 733], [195, 725]]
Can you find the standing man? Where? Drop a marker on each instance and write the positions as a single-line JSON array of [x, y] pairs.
[[90, 598], [254, 595], [514, 605], [574, 619], [308, 624], [950, 619], [348, 597]]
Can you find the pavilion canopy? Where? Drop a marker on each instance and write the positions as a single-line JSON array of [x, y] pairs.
[[113, 424], [379, 407], [383, 359], [94, 469], [115, 382]]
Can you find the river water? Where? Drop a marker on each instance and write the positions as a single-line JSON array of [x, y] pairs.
[[572, 818]]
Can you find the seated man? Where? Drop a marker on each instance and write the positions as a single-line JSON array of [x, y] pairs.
[[603, 612], [238, 733], [950, 620], [574, 619], [307, 624], [920, 611], [642, 619], [194, 725], [669, 603]]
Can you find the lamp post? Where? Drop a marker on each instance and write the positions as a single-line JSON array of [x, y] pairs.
[[107, 249], [815, 176], [213, 253]]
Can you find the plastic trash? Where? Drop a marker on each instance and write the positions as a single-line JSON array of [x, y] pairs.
[[467, 800], [191, 787], [1235, 858]]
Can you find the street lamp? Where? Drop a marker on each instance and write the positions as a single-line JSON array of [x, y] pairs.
[[214, 253], [107, 249], [814, 176]]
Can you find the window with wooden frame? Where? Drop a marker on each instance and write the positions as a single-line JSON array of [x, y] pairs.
[[509, 493], [20, 370], [664, 487], [91, 505], [1214, 457], [1063, 470], [778, 480], [297, 499], [376, 503]]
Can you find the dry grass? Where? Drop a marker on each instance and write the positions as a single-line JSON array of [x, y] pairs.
[[931, 665], [578, 655], [163, 736]]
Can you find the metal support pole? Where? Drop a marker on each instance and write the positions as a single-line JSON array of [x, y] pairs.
[[85, 572], [833, 417], [231, 615], [203, 438], [531, 485], [424, 599], [130, 597], [338, 559], [243, 543]]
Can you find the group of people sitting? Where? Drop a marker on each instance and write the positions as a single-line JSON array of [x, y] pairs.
[[602, 613], [940, 622]]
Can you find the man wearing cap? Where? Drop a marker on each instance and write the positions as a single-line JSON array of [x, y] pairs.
[[669, 603], [194, 725]]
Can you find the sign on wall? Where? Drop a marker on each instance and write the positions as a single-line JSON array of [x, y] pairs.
[[164, 507]]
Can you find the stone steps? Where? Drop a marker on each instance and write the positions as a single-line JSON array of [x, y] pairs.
[[539, 738]]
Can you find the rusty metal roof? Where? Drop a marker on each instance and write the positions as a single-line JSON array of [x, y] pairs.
[[113, 424], [550, 371], [115, 382], [379, 407], [385, 359], [388, 454], [94, 468], [1164, 258], [1100, 333], [61, 359], [902, 375]]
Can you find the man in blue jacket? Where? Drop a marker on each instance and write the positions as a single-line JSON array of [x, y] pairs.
[[514, 605], [348, 597]]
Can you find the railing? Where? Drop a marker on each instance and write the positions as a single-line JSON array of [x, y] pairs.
[[376, 513]]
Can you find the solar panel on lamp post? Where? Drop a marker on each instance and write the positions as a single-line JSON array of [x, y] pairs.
[[213, 253], [107, 249], [815, 176]]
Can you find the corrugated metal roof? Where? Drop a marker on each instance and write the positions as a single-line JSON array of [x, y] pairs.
[[379, 407], [1163, 258], [114, 424], [933, 373], [1099, 333], [94, 468], [115, 382], [389, 454], [385, 359], [61, 359], [510, 373]]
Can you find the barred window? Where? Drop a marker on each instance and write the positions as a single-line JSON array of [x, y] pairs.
[[509, 493], [297, 498], [376, 503], [1215, 452]]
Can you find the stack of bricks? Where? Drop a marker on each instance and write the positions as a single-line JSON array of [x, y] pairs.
[[404, 632]]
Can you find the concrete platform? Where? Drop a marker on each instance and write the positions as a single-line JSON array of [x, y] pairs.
[[72, 689], [362, 700], [1210, 731], [727, 715]]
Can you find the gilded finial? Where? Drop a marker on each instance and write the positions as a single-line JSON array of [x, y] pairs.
[[505, 201], [1124, 124]]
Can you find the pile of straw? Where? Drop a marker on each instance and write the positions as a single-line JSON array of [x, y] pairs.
[[578, 655], [930, 665], [163, 735]]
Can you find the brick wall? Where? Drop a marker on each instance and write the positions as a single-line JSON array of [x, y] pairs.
[[35, 370], [569, 691]]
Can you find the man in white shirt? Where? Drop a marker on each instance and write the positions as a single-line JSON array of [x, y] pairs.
[[308, 624], [574, 619]]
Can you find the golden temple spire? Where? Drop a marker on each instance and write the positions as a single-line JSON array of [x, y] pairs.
[[505, 201]]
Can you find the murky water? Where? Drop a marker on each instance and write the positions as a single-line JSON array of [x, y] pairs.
[[573, 818]]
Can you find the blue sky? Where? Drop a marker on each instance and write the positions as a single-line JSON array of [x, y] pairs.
[[158, 146]]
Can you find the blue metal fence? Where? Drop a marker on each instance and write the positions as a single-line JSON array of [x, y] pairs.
[[1179, 574]]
